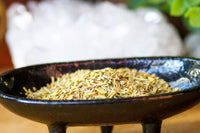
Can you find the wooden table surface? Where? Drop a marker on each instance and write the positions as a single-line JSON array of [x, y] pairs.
[[186, 122]]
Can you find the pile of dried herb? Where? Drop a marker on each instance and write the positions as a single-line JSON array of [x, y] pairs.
[[101, 84]]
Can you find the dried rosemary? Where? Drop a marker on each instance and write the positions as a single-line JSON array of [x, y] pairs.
[[101, 84]]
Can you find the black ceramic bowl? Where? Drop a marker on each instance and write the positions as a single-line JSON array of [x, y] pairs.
[[150, 110]]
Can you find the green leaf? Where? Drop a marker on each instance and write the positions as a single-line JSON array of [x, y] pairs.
[[169, 2], [178, 8], [188, 8], [189, 27], [156, 1], [194, 16], [133, 4], [194, 2]]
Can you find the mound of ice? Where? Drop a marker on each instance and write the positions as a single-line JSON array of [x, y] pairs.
[[69, 30]]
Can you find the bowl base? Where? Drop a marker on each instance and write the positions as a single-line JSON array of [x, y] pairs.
[[152, 127]]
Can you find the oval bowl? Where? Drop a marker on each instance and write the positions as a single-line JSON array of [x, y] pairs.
[[178, 71]]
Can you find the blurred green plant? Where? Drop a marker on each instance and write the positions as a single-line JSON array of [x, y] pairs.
[[188, 9]]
